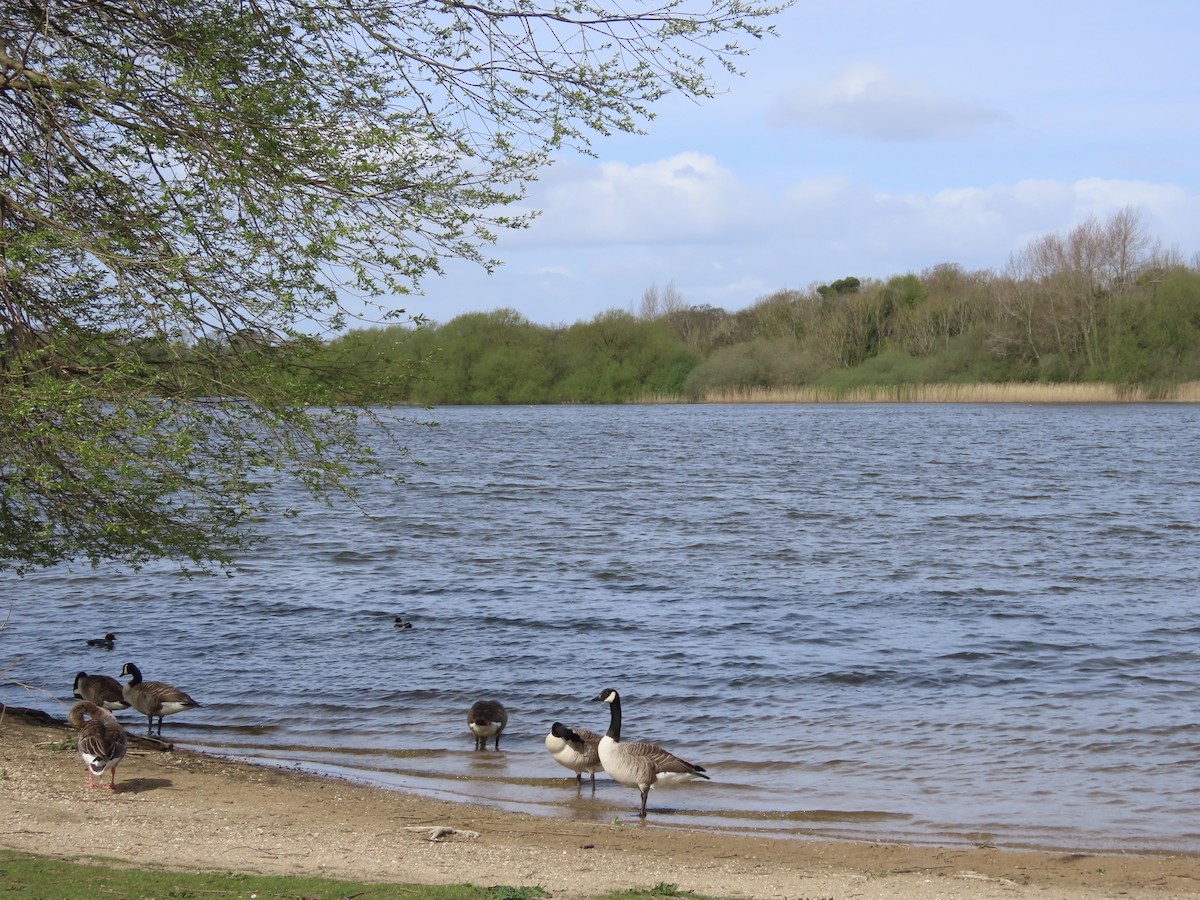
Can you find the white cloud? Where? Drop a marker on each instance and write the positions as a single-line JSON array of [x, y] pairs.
[[687, 197], [1104, 196], [978, 227], [868, 102], [551, 271]]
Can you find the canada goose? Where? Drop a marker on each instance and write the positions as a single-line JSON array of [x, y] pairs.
[[577, 750], [106, 642], [639, 765], [103, 690], [102, 742], [153, 697], [486, 718], [400, 623]]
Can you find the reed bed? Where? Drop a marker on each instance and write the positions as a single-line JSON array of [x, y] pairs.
[[1188, 392]]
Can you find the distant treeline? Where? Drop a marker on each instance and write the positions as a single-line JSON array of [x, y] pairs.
[[1100, 304]]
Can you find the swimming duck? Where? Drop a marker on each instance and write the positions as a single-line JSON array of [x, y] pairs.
[[639, 765], [486, 718], [153, 698], [102, 742], [400, 623], [106, 642]]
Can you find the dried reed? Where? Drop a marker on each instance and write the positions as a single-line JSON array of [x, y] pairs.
[[1188, 392]]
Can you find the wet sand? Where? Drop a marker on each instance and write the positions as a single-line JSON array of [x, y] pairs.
[[189, 811]]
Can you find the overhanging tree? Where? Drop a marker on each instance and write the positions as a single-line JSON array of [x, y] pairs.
[[190, 188]]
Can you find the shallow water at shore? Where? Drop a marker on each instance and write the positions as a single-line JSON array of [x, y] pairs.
[[950, 624]]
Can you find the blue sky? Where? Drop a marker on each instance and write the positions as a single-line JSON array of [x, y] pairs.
[[870, 138]]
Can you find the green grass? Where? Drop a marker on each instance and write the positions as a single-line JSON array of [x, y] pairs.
[[26, 875]]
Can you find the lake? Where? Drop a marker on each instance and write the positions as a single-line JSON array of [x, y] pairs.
[[933, 623]]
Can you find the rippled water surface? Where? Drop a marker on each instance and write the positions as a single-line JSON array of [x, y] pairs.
[[928, 623]]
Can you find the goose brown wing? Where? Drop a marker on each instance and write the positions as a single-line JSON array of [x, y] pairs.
[[589, 737], [102, 742], [584, 741], [166, 693], [663, 760]]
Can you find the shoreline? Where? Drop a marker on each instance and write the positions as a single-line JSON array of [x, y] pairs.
[[663, 814], [181, 809]]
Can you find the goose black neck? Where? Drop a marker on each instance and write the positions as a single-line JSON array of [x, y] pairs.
[[614, 725]]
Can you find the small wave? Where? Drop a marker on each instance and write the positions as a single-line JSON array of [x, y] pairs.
[[857, 677]]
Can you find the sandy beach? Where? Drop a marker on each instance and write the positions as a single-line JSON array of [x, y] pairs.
[[188, 811]]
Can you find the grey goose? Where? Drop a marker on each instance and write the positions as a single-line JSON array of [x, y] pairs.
[[153, 698], [103, 690], [486, 719], [577, 749], [639, 765], [102, 741]]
